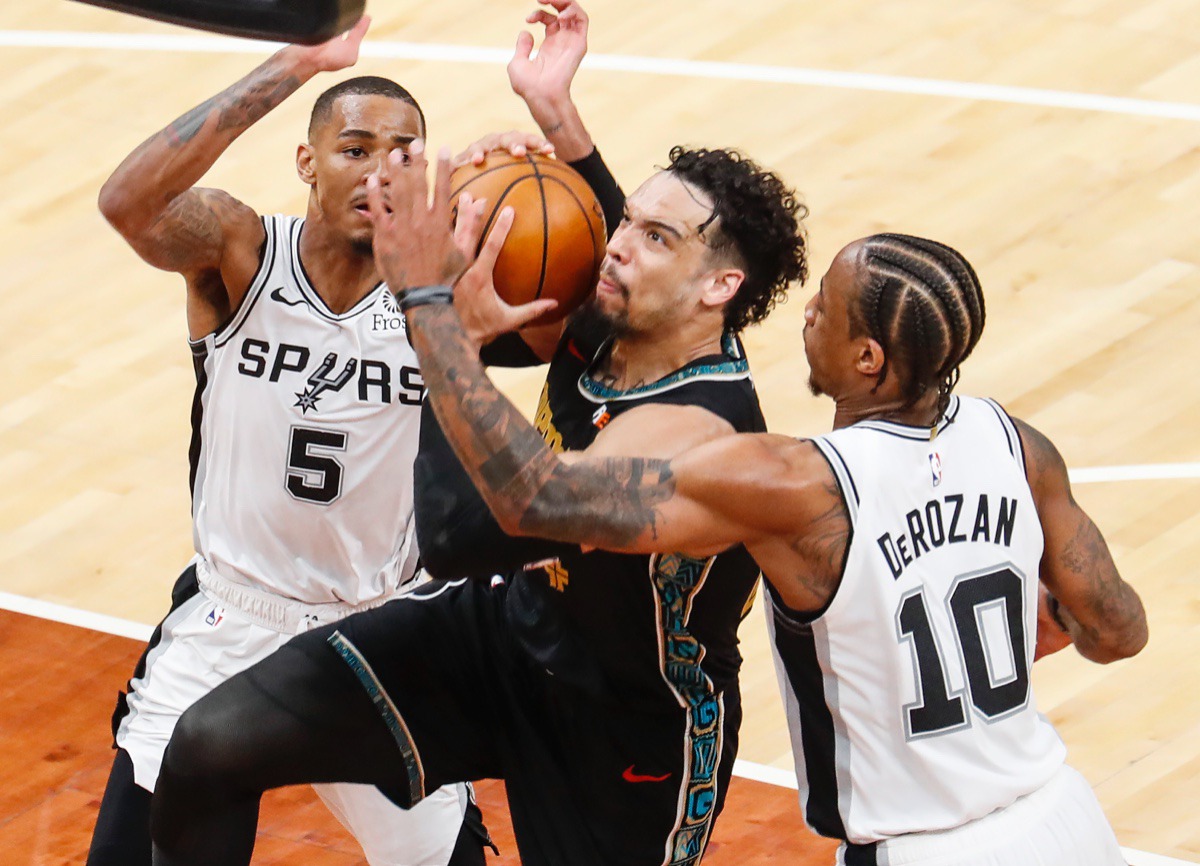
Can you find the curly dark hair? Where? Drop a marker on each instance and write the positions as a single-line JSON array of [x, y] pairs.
[[758, 218]]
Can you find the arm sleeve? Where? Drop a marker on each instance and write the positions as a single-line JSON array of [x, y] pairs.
[[604, 185]]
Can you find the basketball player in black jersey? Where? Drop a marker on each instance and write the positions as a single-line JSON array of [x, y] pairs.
[[949, 776], [602, 688]]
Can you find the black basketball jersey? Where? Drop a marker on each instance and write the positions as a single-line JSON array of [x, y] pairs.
[[658, 629]]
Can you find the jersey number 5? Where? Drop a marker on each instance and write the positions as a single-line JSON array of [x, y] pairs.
[[314, 476], [995, 659]]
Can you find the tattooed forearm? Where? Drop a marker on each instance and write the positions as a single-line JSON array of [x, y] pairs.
[[530, 491], [1112, 625], [173, 160], [605, 504], [239, 106]]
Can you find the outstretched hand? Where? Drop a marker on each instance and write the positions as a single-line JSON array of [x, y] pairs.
[[548, 75], [339, 52], [413, 242]]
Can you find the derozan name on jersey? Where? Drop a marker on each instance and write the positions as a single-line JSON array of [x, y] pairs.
[[943, 521]]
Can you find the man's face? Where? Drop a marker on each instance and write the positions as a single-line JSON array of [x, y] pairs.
[[657, 262], [352, 144], [828, 346]]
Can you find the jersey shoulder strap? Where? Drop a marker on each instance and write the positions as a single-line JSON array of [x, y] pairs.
[[275, 244]]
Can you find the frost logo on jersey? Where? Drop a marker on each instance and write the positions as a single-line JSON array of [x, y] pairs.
[[394, 321], [935, 467], [320, 382]]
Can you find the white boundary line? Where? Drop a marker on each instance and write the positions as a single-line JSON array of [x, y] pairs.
[[141, 632], [445, 53], [1149, 472], [74, 616]]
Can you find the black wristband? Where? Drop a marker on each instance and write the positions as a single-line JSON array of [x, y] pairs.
[[422, 295]]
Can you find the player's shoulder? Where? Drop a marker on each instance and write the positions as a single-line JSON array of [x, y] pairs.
[[1044, 463], [238, 221]]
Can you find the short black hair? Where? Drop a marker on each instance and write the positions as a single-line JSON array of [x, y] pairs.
[[922, 302], [364, 85], [759, 218]]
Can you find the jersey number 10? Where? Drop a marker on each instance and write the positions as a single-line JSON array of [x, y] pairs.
[[992, 691]]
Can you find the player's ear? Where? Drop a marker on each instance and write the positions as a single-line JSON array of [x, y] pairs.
[[304, 164], [870, 357], [722, 286]]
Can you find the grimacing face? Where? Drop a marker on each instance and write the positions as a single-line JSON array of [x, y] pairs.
[[656, 261], [348, 147], [830, 351]]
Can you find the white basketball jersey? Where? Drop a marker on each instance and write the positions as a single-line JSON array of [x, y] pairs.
[[304, 432], [908, 698]]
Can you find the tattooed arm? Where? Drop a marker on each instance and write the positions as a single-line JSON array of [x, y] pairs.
[[207, 235], [1100, 611], [736, 488]]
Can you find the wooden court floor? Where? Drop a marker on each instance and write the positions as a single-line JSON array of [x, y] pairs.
[[56, 755], [1055, 142]]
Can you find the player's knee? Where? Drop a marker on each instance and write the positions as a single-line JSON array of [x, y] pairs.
[[202, 744]]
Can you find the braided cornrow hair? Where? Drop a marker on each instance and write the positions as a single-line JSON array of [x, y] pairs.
[[922, 302]]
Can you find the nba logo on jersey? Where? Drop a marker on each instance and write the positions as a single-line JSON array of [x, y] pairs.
[[935, 467], [601, 417], [215, 616]]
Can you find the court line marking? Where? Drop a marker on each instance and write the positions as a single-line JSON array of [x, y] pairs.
[[141, 632], [796, 75], [1146, 472]]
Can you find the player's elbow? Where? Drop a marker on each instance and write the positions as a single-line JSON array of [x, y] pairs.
[[120, 207], [1131, 640], [1119, 640]]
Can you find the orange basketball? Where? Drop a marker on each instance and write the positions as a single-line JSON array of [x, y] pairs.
[[557, 241]]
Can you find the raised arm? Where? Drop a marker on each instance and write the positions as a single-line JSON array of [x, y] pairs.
[[207, 235], [1100, 611], [544, 80]]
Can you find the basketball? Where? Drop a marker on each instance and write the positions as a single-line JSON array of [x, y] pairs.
[[557, 241]]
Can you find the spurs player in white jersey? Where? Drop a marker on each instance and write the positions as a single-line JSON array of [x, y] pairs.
[[903, 552], [304, 428]]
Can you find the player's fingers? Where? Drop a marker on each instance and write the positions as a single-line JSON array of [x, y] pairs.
[[468, 227], [410, 181], [520, 316], [524, 45], [376, 209], [495, 239], [359, 30], [541, 16], [441, 187]]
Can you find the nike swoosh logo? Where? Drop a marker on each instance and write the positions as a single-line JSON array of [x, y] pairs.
[[277, 295], [630, 776]]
